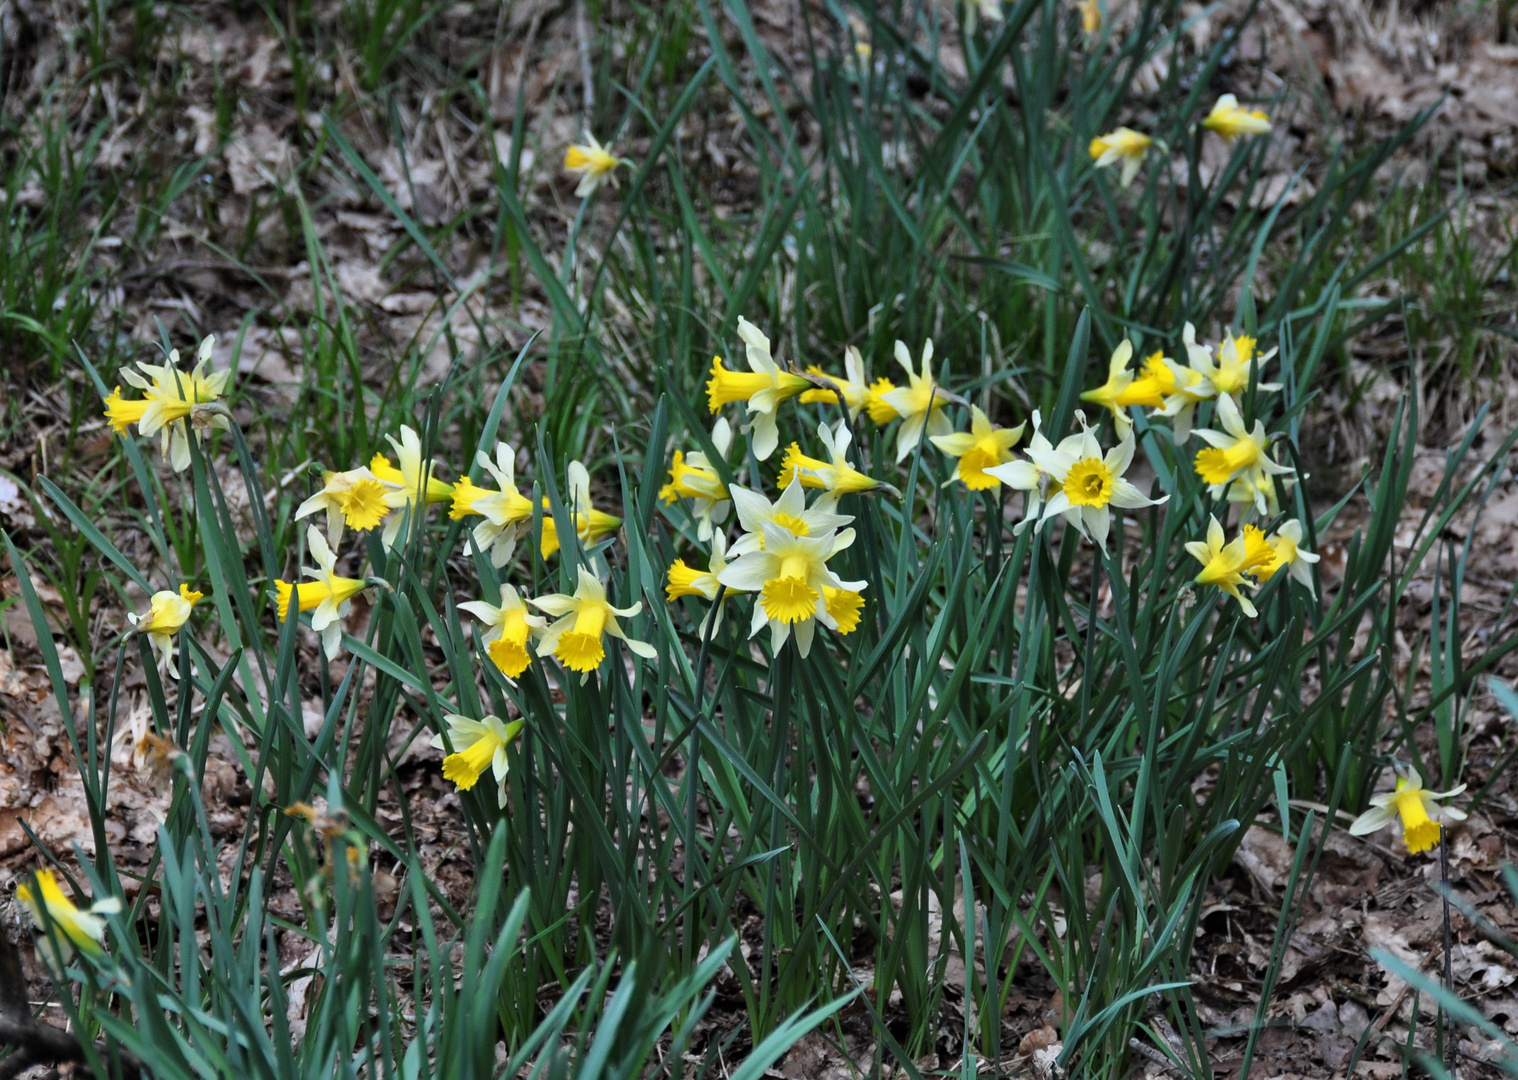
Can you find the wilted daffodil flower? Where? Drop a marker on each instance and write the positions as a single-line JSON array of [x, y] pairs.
[[1286, 543], [791, 576], [1230, 120], [507, 630], [354, 498], [174, 403], [692, 477], [413, 484], [762, 389], [1421, 814], [477, 745], [327, 596], [580, 623], [919, 404], [49, 905], [590, 524], [982, 448], [1121, 145], [1226, 564], [593, 163], [168, 611], [506, 511], [686, 580], [1085, 483], [1236, 453], [835, 476]]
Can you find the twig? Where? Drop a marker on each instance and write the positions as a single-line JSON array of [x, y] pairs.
[[36, 1042]]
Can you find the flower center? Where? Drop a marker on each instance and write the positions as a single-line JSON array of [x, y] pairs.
[[789, 599], [1089, 483], [794, 525], [509, 655], [363, 504], [975, 462], [581, 652], [1419, 833], [464, 768]]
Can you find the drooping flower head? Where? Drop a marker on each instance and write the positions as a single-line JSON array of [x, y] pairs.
[[919, 404], [174, 403], [593, 163], [478, 745], [834, 476], [1228, 565], [979, 450], [1085, 483], [580, 624], [763, 388], [692, 477], [507, 630], [590, 524], [1121, 145], [507, 513], [49, 906], [1422, 815], [168, 611], [353, 498], [1230, 120], [327, 596]]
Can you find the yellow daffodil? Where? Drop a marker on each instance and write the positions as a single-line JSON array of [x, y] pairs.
[[507, 630], [174, 403], [1226, 564], [168, 611], [1286, 544], [48, 905], [1203, 379], [1091, 15], [835, 476], [854, 386], [1236, 453], [762, 389], [1230, 120], [507, 513], [790, 574], [788, 512], [1121, 145], [686, 580], [1421, 814], [1256, 490], [844, 607], [692, 477], [1027, 477], [411, 484], [580, 623], [1123, 389], [477, 745], [327, 596], [919, 404], [355, 498], [593, 163], [1085, 483], [590, 524], [981, 448]]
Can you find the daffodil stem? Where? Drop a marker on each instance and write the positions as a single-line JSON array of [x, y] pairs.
[[1449, 975]]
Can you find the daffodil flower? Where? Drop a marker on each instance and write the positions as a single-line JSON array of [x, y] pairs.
[[1236, 453], [327, 596], [355, 497], [1091, 16], [507, 513], [1251, 492], [790, 574], [1203, 379], [1230, 120], [1226, 564], [477, 745], [1421, 814], [686, 580], [410, 485], [983, 447], [168, 611], [1286, 543], [507, 629], [693, 477], [580, 623], [919, 404], [590, 524], [844, 607], [789, 512], [854, 386], [835, 476], [1085, 483], [1027, 477], [1121, 145], [762, 389], [593, 163], [1123, 388], [49, 905], [174, 403]]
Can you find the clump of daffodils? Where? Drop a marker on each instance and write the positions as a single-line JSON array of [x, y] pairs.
[[1419, 811], [174, 403], [1251, 558]]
